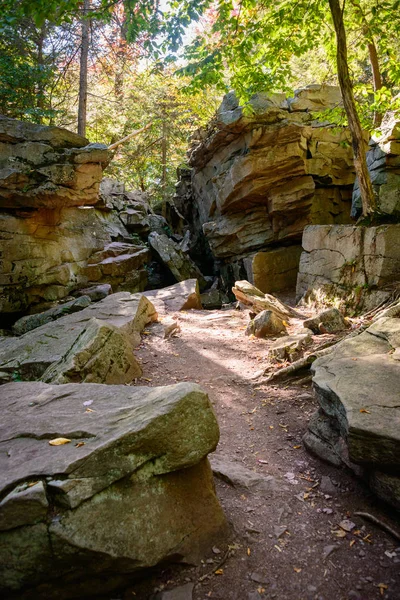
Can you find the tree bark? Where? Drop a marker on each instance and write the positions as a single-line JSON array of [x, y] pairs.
[[83, 80], [360, 164]]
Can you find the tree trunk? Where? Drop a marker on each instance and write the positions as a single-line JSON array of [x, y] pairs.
[[360, 164], [82, 102], [376, 76], [40, 98], [164, 166]]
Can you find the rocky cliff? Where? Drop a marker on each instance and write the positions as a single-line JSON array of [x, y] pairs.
[[259, 175], [57, 234]]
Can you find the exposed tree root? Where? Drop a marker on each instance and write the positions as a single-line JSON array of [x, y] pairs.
[[380, 524]]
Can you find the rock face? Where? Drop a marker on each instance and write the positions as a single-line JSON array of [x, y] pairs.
[[48, 167], [131, 488], [94, 345], [354, 263], [357, 387], [56, 233], [177, 261], [260, 174], [383, 161]]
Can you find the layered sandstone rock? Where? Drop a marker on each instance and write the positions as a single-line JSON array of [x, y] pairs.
[[130, 489], [261, 173], [53, 239]]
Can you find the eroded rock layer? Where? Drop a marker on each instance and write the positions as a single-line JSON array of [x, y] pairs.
[[57, 234], [260, 174]]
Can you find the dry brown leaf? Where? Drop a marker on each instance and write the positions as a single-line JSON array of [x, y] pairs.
[[364, 410], [59, 441], [277, 547], [248, 551], [296, 447], [339, 533], [219, 572], [296, 569], [382, 587], [79, 444], [352, 543]]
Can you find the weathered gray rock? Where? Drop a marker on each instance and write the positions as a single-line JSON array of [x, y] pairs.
[[180, 296], [237, 475], [328, 321], [265, 324], [96, 292], [357, 387], [132, 488], [383, 161], [183, 592], [289, 347], [94, 345], [179, 263], [316, 97], [32, 321], [349, 262]]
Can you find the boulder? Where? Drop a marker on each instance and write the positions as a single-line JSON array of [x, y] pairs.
[[130, 489], [328, 321], [357, 387], [265, 324], [349, 262], [32, 321], [178, 262], [94, 345], [289, 347], [237, 475], [180, 296], [95, 292], [249, 295]]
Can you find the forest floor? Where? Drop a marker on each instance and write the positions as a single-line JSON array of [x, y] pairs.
[[288, 546]]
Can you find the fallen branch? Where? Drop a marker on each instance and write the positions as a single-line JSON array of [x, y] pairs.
[[129, 137], [215, 568], [380, 523]]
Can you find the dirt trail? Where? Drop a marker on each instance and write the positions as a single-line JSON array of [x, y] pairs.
[[286, 546]]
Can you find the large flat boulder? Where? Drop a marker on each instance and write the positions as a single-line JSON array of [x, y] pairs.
[[131, 488], [94, 345], [357, 387], [184, 295]]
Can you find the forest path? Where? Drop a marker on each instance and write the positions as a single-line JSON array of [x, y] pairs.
[[287, 545]]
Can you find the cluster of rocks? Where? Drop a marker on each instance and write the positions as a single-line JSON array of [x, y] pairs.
[[101, 479], [259, 175]]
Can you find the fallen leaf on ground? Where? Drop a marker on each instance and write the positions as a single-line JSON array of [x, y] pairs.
[[352, 543], [339, 533], [296, 569], [364, 410], [59, 441], [219, 572], [248, 551], [79, 444], [382, 587]]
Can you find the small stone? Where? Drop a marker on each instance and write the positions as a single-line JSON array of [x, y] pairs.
[[328, 550], [258, 578], [347, 525], [326, 486], [216, 550], [279, 530]]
